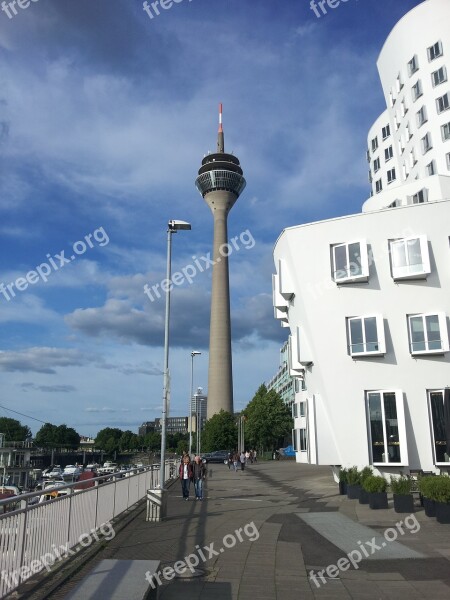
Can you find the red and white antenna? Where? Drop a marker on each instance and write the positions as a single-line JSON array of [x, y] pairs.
[[220, 118]]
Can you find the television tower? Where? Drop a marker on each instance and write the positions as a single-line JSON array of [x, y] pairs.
[[220, 181]]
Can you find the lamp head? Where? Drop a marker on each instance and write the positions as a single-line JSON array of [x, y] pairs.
[[178, 225], [195, 353]]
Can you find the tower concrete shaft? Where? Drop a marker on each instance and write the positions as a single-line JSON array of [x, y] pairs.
[[220, 181]]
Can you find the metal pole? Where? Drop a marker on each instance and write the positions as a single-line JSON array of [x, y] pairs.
[[166, 361], [190, 404], [199, 427]]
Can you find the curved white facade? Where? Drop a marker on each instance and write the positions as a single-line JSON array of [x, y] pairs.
[[367, 296], [410, 141]]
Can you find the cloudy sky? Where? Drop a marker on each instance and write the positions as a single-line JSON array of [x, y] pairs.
[[105, 116]]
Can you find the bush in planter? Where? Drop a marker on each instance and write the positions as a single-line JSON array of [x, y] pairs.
[[403, 500], [426, 488], [353, 483], [376, 487], [363, 494], [441, 496], [343, 481]]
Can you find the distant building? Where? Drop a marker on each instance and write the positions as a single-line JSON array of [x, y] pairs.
[[147, 427], [15, 462], [173, 425], [283, 382]]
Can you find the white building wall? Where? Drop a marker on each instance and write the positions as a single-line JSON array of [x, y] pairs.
[[336, 383], [412, 37]]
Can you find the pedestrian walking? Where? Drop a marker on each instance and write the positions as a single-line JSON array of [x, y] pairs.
[[254, 456], [235, 461], [247, 457], [242, 459], [230, 459], [199, 475], [186, 474]]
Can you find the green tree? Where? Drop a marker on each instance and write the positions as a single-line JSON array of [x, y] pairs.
[[268, 420], [14, 431], [220, 432], [152, 441], [52, 436], [108, 439]]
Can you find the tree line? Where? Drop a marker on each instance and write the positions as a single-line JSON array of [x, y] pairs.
[[267, 425]]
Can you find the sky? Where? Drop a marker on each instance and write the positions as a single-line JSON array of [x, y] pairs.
[[106, 111]]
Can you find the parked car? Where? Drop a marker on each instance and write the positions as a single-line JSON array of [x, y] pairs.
[[217, 457]]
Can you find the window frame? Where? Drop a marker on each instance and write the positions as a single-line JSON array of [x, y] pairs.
[[391, 176], [434, 434], [417, 90], [381, 340], [431, 168], [363, 263], [376, 165], [413, 65], [435, 51], [378, 186], [374, 144], [388, 153], [445, 132], [386, 131], [447, 158], [402, 273], [421, 116], [400, 424], [435, 80], [443, 333], [445, 100], [426, 143]]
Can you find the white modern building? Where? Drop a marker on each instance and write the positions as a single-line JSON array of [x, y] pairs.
[[367, 297], [283, 382]]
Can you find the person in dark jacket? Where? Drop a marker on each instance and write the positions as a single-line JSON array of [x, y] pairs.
[[186, 474], [199, 472]]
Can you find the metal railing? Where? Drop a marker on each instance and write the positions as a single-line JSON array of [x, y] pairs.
[[36, 529]]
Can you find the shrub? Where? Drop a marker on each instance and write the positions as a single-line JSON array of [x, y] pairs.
[[365, 473], [375, 484], [401, 485], [441, 489], [343, 473], [426, 486], [353, 476]]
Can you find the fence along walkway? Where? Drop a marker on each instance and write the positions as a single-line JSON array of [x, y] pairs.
[[35, 531]]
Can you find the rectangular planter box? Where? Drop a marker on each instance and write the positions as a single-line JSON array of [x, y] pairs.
[[378, 500], [353, 491], [430, 507], [403, 503], [342, 488], [442, 512], [363, 496]]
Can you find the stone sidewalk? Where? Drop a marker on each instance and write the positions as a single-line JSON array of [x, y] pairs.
[[303, 528]]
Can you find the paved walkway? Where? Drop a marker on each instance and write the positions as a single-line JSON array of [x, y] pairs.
[[293, 524]]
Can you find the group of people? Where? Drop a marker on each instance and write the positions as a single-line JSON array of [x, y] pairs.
[[242, 458], [192, 471]]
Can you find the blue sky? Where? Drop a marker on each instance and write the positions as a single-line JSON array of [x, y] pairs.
[[105, 116]]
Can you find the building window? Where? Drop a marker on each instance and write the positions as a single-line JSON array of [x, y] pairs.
[[365, 336], [427, 333], [386, 131], [378, 186], [300, 440], [419, 197], [303, 440], [445, 130], [447, 158], [438, 427], [388, 153], [302, 409], [350, 262], [431, 168], [443, 103], [387, 426], [294, 410], [403, 108], [409, 257], [391, 176], [413, 65], [416, 90], [421, 116], [435, 51], [374, 144], [376, 165], [426, 143], [439, 76]]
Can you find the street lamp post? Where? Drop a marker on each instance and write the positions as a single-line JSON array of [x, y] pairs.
[[198, 410], [172, 227], [193, 354]]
